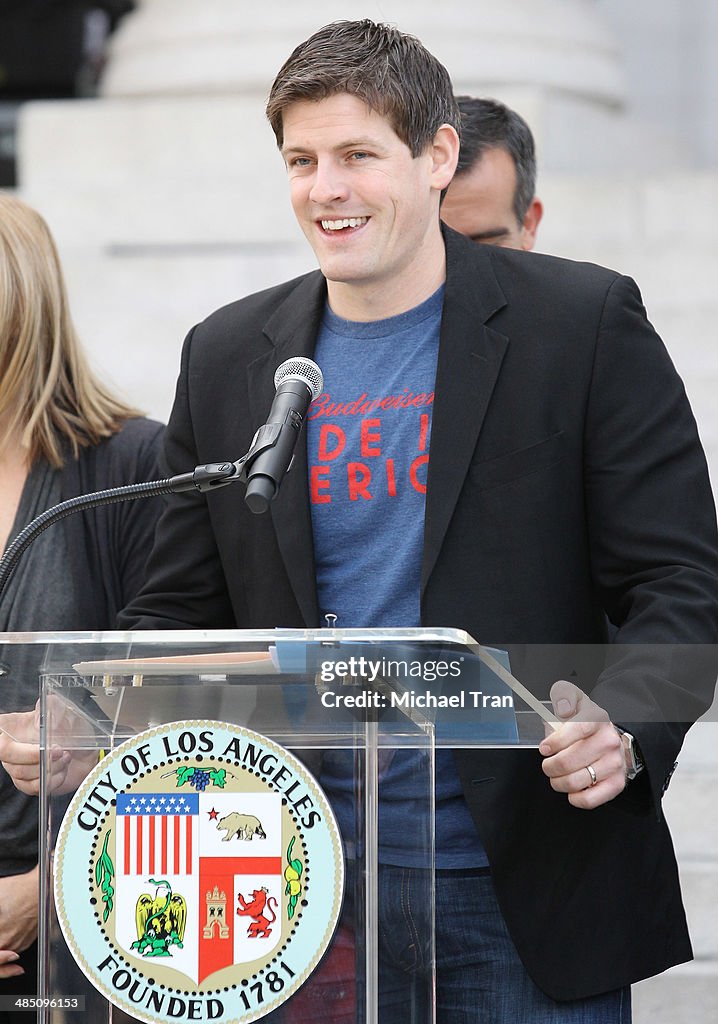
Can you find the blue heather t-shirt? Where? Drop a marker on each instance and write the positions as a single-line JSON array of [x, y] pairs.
[[368, 437]]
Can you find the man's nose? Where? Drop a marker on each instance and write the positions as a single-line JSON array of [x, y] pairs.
[[329, 183]]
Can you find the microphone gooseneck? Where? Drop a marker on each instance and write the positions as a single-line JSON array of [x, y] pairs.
[[298, 382]]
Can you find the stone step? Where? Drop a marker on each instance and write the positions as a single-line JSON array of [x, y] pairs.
[[699, 884], [687, 994], [690, 809], [622, 214]]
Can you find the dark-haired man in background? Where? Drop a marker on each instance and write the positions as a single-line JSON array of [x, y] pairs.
[[492, 195]]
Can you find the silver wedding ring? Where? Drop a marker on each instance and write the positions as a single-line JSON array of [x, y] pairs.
[[592, 772]]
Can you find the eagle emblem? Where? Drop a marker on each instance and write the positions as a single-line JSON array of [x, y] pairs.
[[160, 920]]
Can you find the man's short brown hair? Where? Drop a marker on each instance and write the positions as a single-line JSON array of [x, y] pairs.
[[392, 72]]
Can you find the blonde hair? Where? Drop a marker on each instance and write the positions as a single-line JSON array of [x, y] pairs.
[[49, 397]]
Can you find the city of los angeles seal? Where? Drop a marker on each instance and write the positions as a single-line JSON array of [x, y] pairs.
[[199, 874]]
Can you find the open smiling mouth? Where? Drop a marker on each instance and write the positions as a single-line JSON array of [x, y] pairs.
[[343, 226]]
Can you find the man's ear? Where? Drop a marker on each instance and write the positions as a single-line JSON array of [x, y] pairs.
[[531, 223], [445, 156]]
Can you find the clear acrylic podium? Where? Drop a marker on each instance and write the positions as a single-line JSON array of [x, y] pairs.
[[345, 704]]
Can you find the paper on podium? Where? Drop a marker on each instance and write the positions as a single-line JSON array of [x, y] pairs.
[[216, 663]]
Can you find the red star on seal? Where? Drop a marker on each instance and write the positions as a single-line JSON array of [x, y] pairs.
[[212, 814]]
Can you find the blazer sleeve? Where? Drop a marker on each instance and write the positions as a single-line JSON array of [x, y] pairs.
[[653, 537], [185, 586]]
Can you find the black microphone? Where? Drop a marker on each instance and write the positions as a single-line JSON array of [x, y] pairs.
[[298, 382]]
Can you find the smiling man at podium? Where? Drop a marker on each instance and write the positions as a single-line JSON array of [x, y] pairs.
[[501, 445]]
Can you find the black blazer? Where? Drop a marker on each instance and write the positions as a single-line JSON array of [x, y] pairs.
[[567, 489]]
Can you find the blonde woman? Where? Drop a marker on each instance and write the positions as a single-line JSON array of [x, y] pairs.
[[62, 433]]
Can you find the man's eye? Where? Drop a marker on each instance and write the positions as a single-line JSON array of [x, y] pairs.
[[360, 155], [299, 161]]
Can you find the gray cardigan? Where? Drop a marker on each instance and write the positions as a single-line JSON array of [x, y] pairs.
[[77, 575]]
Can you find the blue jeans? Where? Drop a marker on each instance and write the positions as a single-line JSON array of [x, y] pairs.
[[479, 976]]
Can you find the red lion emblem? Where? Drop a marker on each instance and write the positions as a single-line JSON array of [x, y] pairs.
[[260, 923]]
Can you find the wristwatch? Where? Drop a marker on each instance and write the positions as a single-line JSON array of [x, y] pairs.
[[634, 761]]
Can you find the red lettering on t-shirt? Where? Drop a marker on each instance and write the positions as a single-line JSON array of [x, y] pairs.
[[328, 433], [423, 431], [319, 481], [368, 438], [390, 478], [359, 477], [415, 482]]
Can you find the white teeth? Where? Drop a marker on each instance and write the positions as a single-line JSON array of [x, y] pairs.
[[348, 222]]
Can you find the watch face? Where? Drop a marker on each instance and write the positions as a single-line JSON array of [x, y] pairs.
[[634, 761]]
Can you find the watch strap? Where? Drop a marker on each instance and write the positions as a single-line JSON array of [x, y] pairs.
[[634, 759]]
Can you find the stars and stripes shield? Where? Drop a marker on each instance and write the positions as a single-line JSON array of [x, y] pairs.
[[204, 868]]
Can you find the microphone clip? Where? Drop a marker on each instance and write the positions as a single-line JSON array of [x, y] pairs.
[[213, 475]]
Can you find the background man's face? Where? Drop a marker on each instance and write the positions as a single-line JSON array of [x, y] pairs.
[[479, 204]]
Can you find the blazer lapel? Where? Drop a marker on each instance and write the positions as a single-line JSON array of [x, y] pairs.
[[292, 329], [470, 357]]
